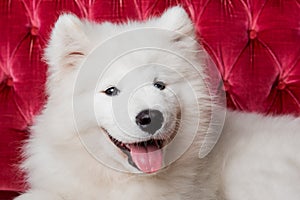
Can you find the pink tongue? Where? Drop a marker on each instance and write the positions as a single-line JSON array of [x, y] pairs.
[[148, 159]]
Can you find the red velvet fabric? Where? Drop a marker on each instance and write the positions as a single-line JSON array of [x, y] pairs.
[[255, 44]]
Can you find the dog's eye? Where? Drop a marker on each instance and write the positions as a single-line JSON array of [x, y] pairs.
[[159, 85], [112, 91]]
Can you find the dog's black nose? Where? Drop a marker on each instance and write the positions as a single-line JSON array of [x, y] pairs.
[[149, 120]]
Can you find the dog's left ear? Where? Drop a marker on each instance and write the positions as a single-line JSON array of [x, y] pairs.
[[67, 44], [177, 19]]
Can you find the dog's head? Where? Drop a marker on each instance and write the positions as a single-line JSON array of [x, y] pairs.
[[136, 88]]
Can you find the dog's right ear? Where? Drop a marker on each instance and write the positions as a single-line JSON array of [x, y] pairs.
[[177, 19], [67, 45]]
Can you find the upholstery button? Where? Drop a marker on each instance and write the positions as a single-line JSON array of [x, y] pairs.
[[9, 82], [252, 34], [281, 85], [34, 30], [226, 86]]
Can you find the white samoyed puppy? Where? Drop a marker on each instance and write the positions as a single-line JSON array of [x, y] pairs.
[[129, 109]]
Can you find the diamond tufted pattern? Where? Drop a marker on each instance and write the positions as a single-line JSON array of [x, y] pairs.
[[255, 44]]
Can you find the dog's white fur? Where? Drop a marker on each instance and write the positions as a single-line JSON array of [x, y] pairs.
[[255, 158]]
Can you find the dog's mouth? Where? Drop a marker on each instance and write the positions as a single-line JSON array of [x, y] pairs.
[[146, 156]]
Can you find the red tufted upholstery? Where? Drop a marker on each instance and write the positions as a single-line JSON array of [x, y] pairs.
[[255, 43]]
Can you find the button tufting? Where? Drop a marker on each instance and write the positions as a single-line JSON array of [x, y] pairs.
[[252, 34], [281, 85], [226, 86], [34, 30], [9, 82]]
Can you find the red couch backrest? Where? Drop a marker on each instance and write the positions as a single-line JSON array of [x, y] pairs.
[[255, 43]]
